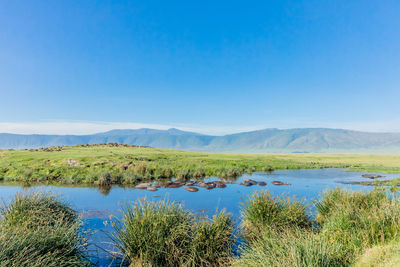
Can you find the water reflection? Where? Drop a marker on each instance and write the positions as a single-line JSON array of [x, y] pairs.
[[105, 189]]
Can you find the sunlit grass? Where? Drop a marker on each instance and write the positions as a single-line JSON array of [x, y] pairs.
[[263, 212], [165, 234], [38, 229], [290, 246], [102, 164], [358, 220], [387, 255], [347, 224]]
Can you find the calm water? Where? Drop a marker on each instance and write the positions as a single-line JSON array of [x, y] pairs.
[[98, 206]]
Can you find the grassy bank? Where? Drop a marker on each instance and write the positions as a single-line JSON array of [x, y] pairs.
[[165, 234], [117, 164], [349, 229], [40, 230]]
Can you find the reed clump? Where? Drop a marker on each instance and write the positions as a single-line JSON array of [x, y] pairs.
[[290, 246], [38, 229], [263, 212], [165, 234], [358, 220], [347, 224]]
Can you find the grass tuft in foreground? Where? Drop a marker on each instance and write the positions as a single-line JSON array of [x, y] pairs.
[[263, 211], [212, 241], [359, 220], [290, 246], [380, 256], [38, 229], [347, 224], [165, 234]]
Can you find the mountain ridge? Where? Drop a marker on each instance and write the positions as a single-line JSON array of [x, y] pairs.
[[270, 140]]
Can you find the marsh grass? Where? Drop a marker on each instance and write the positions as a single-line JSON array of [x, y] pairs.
[[212, 242], [106, 165], [153, 234], [164, 234], [37, 209], [263, 211], [387, 255], [347, 224], [38, 229], [359, 220], [292, 246]]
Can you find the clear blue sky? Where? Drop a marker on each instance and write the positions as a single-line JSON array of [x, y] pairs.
[[232, 64]]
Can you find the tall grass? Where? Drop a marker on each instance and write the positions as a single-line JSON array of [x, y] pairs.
[[294, 246], [212, 242], [279, 232], [153, 234], [387, 255], [347, 223], [263, 211], [38, 229], [358, 220], [165, 234]]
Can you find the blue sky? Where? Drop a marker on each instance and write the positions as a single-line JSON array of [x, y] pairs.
[[210, 66]]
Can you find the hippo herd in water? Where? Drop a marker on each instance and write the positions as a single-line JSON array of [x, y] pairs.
[[192, 186], [372, 176]]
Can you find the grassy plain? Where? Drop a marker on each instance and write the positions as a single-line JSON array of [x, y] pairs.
[[119, 164]]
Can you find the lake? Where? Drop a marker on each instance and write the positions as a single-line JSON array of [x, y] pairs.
[[97, 205]]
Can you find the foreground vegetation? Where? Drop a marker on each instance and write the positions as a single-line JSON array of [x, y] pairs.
[[40, 230], [105, 165], [164, 234], [349, 229], [380, 256]]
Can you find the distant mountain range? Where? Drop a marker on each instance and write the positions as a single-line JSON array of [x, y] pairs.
[[302, 140]]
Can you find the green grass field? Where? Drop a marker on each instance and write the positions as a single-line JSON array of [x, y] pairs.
[[119, 164]]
